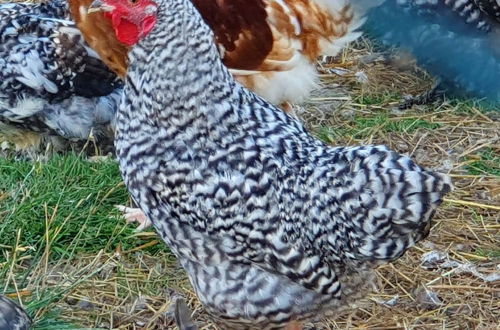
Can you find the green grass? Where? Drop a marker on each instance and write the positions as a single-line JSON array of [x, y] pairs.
[[66, 201], [489, 164], [493, 253], [54, 213], [474, 106], [407, 125], [363, 127], [52, 321]]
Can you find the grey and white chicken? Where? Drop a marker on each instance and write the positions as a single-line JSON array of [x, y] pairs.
[[271, 225], [51, 82]]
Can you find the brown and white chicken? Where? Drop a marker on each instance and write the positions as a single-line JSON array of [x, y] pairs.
[[270, 46]]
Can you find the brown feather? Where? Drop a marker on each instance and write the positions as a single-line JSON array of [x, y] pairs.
[[240, 27], [318, 24], [98, 32]]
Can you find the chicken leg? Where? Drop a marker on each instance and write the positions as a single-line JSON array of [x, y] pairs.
[[135, 215]]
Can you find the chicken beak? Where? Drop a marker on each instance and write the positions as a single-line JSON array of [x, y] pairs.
[[98, 6]]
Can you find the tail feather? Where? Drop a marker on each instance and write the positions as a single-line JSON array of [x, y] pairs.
[[397, 201]]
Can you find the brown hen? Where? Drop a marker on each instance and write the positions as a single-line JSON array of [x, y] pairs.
[[98, 32]]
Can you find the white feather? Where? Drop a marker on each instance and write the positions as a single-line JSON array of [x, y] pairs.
[[24, 107], [33, 75]]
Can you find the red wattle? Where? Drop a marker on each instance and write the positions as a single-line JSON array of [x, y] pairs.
[[148, 24]]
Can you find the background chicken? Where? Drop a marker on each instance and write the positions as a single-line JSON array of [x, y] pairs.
[[456, 40], [271, 225], [270, 46], [490, 8], [51, 83]]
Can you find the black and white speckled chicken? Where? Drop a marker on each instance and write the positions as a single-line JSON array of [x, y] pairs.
[[271, 225], [12, 316], [456, 40], [51, 82]]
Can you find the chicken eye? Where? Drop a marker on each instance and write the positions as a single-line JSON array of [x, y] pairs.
[[133, 2]]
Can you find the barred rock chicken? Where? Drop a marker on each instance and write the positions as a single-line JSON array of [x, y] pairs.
[[51, 82], [12, 316], [271, 225], [456, 40]]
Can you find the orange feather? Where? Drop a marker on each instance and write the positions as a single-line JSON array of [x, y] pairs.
[[98, 32]]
